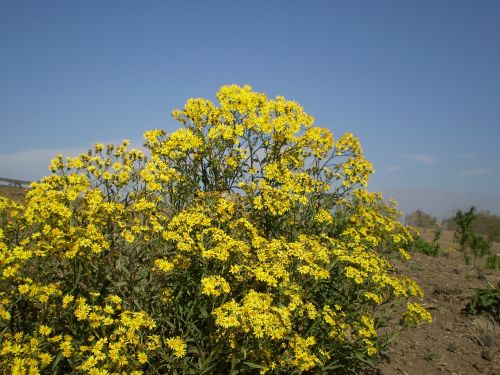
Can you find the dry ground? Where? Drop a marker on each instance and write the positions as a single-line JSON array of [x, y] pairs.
[[455, 343]]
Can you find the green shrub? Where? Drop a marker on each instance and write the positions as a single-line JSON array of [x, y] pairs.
[[245, 241], [427, 248], [472, 245], [479, 245], [485, 301], [493, 262], [463, 221]]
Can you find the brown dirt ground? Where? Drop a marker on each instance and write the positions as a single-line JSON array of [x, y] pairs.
[[455, 343]]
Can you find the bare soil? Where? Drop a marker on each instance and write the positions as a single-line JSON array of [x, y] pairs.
[[455, 343]]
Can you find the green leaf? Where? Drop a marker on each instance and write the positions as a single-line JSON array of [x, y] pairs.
[[254, 365]]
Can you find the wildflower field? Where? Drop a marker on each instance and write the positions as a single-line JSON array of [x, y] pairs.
[[244, 242]]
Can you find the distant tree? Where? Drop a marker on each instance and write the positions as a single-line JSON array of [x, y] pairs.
[[420, 219]]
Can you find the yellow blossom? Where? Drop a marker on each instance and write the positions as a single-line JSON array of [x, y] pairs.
[[178, 345]]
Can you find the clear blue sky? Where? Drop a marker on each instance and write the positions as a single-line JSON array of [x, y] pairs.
[[417, 81]]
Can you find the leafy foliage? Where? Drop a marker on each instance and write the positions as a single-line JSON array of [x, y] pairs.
[[493, 262], [478, 245], [463, 220], [485, 301], [427, 248], [244, 241]]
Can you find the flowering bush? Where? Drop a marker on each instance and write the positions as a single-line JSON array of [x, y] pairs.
[[245, 241]]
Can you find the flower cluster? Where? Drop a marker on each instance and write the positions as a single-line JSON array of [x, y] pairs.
[[246, 239]]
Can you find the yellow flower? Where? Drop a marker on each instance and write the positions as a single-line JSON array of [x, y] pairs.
[[214, 286], [82, 312], [108, 309], [416, 313], [44, 330], [164, 265], [23, 289], [404, 254], [128, 236], [142, 357], [45, 358], [115, 299], [178, 346], [66, 348]]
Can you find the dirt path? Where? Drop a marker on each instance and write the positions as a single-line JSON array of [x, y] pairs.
[[455, 343]]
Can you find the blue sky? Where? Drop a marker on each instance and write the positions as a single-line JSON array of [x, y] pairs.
[[417, 81]]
